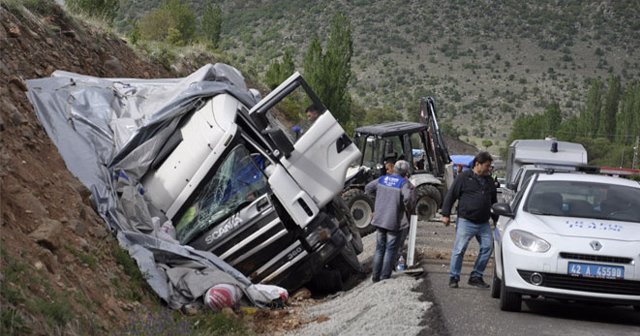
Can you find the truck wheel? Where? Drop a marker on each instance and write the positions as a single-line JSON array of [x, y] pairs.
[[426, 204], [361, 208], [347, 263]]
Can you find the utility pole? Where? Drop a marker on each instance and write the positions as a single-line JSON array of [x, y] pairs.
[[636, 149]]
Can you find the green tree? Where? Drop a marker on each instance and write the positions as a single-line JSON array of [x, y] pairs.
[[552, 118], [487, 143], [313, 65], [211, 26], [329, 73], [105, 9], [607, 127], [590, 117], [173, 22], [338, 67], [628, 122], [279, 71], [528, 127]]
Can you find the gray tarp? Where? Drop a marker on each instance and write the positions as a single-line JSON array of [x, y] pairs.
[[108, 131]]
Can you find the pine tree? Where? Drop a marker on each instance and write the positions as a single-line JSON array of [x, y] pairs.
[[211, 26], [590, 117], [607, 125], [552, 118], [329, 73], [628, 120]]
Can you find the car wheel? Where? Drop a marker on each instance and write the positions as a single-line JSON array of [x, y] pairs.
[[361, 208], [426, 204], [495, 284], [509, 301]]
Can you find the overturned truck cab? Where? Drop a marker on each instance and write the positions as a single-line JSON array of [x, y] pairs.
[[234, 181]]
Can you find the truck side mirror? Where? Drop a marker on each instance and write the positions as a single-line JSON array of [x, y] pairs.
[[281, 140]]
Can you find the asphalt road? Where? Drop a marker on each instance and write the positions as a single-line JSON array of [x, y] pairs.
[[471, 311]]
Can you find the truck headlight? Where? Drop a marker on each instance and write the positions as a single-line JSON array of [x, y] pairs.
[[529, 241], [317, 235]]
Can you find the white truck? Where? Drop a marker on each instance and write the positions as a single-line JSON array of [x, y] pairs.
[[236, 183], [528, 156]]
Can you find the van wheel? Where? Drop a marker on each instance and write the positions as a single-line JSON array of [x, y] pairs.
[[426, 204], [361, 209]]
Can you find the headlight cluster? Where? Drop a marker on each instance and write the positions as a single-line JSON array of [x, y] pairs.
[[317, 235], [529, 241]]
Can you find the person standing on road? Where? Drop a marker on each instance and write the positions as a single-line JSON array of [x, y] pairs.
[[475, 192], [393, 195]]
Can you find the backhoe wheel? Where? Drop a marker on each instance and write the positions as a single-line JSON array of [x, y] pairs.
[[361, 208], [426, 204]]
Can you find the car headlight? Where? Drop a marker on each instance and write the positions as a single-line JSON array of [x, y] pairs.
[[529, 241]]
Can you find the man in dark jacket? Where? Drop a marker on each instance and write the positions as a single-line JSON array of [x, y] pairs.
[[393, 200], [475, 192]]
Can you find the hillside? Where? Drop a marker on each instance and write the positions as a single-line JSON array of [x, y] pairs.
[[485, 62], [61, 271]]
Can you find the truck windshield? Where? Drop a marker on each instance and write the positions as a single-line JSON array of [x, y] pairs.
[[238, 181]]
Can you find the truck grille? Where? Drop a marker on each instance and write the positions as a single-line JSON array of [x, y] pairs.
[[563, 281], [598, 258]]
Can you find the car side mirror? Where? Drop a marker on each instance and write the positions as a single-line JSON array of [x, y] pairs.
[[512, 186], [502, 209]]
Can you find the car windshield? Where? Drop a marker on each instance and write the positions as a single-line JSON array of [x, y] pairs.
[[237, 182], [584, 200]]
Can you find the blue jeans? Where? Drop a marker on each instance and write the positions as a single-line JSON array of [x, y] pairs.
[[383, 262], [465, 230]]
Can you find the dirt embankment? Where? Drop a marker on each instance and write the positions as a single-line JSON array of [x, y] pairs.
[[59, 273]]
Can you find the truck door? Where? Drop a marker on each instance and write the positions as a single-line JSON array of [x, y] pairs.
[[317, 158]]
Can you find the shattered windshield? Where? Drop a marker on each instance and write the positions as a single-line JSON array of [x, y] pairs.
[[236, 183]]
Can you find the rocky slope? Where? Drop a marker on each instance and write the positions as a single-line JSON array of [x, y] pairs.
[[60, 272]]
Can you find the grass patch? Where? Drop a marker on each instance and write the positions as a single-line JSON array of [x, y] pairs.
[[217, 324], [164, 321], [137, 285], [87, 259], [56, 310], [12, 323]]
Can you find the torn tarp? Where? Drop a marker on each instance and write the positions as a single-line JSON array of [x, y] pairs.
[[108, 131]]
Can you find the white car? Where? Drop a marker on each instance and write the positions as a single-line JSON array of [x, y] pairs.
[[569, 236]]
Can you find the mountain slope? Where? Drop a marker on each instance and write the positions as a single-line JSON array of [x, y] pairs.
[[485, 62]]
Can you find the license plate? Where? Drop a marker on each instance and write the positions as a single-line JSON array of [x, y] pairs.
[[596, 271]]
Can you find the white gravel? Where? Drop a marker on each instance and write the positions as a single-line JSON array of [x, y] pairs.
[[388, 307]]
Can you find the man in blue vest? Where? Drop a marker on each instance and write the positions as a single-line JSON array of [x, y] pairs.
[[393, 193]]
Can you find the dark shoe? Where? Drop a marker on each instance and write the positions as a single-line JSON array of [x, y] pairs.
[[477, 282], [453, 283]]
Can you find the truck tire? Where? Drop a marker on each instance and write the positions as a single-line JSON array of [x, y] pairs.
[[361, 209], [347, 263], [426, 201]]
